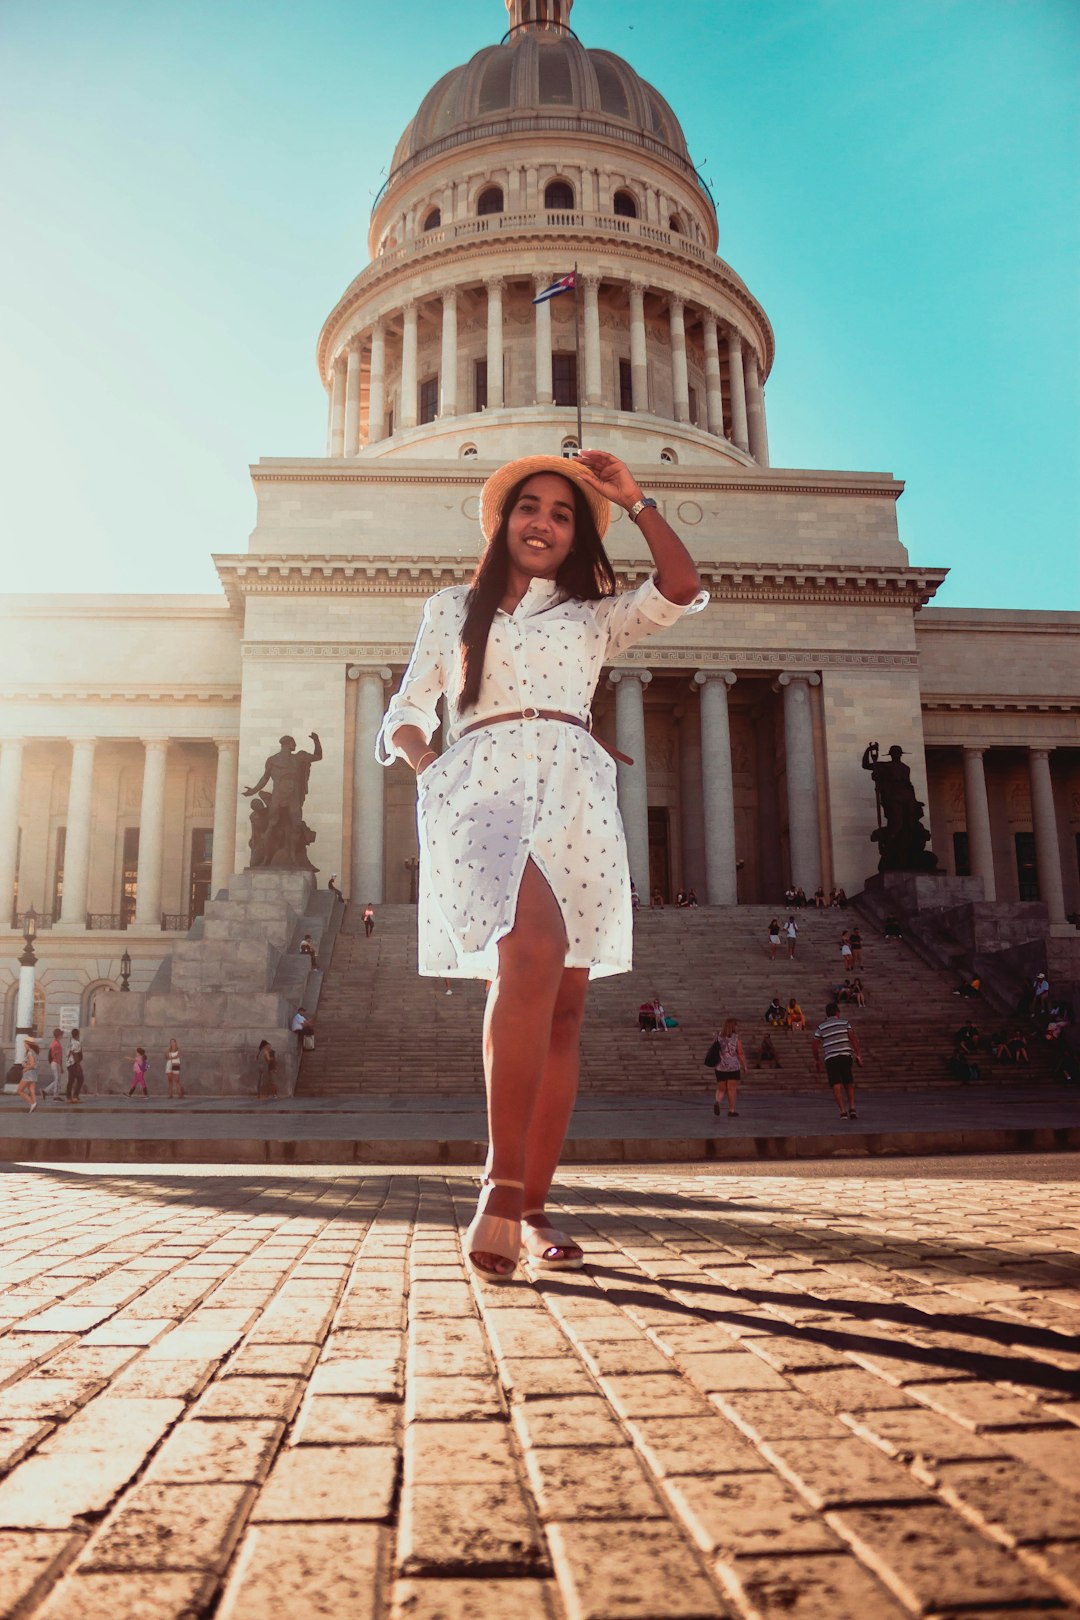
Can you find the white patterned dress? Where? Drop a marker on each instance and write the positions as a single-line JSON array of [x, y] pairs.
[[527, 789]]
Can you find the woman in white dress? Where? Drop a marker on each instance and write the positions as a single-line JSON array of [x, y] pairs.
[[523, 875]]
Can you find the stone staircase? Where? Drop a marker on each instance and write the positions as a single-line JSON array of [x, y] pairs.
[[382, 1030]]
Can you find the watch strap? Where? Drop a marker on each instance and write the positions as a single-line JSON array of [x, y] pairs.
[[639, 507]]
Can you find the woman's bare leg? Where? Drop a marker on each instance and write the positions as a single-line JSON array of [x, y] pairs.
[[558, 1091], [517, 1036]]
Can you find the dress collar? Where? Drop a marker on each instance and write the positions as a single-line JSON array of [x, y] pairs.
[[538, 595]]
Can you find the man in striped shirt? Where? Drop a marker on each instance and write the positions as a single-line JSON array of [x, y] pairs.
[[834, 1039]]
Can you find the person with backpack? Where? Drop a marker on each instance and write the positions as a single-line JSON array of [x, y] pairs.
[[728, 1062]]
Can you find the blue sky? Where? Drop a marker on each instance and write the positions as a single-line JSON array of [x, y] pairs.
[[186, 186]]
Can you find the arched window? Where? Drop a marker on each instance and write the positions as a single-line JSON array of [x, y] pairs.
[[625, 204], [490, 200], [434, 220], [675, 224], [90, 999], [669, 457], [469, 452], [558, 194], [570, 448]]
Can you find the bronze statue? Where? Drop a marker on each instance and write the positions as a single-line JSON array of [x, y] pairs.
[[279, 834], [902, 840]]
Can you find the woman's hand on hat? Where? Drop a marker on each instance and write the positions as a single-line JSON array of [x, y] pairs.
[[609, 476]]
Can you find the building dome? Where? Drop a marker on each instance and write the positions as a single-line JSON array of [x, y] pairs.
[[542, 74]]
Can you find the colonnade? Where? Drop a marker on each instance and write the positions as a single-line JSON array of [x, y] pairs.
[[1043, 820], [79, 823], [745, 428]]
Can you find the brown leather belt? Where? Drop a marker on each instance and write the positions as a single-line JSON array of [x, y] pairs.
[[547, 714]]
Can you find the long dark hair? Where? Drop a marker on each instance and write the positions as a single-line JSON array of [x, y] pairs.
[[586, 574]]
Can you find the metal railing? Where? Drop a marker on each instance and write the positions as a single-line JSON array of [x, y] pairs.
[[176, 922], [44, 920], [105, 920]]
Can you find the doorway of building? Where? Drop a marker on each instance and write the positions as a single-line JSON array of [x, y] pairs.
[[660, 851], [202, 855]]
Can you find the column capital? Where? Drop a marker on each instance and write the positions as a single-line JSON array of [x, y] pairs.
[[494, 284], [408, 307], [709, 320], [703, 676], [590, 278], [642, 675], [157, 743], [84, 742], [448, 295], [355, 672], [1040, 753], [810, 676], [752, 363], [541, 281], [221, 743], [734, 336], [378, 326], [974, 750], [676, 303], [637, 285]]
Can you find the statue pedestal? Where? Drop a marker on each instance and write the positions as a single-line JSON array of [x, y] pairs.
[[234, 980]]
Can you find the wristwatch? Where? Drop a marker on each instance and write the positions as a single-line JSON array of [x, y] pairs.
[[638, 507]]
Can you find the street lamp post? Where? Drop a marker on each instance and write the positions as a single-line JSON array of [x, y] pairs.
[[125, 970], [24, 1015]]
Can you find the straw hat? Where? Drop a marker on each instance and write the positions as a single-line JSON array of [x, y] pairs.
[[494, 493]]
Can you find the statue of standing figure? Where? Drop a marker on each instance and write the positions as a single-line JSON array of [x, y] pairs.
[[902, 840], [279, 834]]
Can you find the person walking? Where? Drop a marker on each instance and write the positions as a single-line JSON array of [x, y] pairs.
[[27, 1086], [730, 1063], [523, 875], [856, 947], [369, 909], [845, 951], [56, 1066], [172, 1069], [138, 1071], [74, 1068], [265, 1069], [791, 929], [774, 938], [836, 1043]]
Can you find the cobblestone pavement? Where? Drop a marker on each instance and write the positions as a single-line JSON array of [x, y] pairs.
[[275, 1395]]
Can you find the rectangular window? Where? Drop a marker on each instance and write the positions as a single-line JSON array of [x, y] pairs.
[[693, 406], [480, 395], [429, 399], [202, 855], [564, 378], [961, 856], [58, 871], [626, 386], [129, 876], [390, 423], [1027, 873]]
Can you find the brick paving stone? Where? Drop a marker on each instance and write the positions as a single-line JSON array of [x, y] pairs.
[[162, 1595], [171, 1527], [67, 1319], [746, 1513], [1014, 1501], [271, 1361], [581, 1483], [640, 1395], [984, 1408], [924, 1437], [636, 1355], [849, 1389], [472, 1528], [251, 1398], [458, 1454], [29, 1561], [178, 1380], [19, 1437], [329, 1482], [1059, 1562], [473, 1600], [447, 1399], [45, 1397], [792, 1353], [691, 1445], [774, 1414], [306, 1572], [641, 1570], [231, 1453], [835, 1473], [729, 1370], [525, 1333], [566, 1420], [808, 1588], [347, 1420], [932, 1560], [122, 1330]]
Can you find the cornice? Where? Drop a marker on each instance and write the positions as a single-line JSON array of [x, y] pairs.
[[99, 692], [513, 243], [756, 660], [244, 576], [938, 703], [457, 475]]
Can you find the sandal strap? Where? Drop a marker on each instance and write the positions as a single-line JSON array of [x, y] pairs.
[[500, 1181]]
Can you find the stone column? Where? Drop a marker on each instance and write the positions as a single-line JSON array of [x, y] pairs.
[[639, 358], [803, 835], [755, 397], [1047, 848], [337, 409], [593, 384], [980, 839], [630, 687], [11, 762], [223, 857], [352, 401], [151, 835], [376, 425], [739, 432], [718, 793], [369, 778], [693, 812], [544, 389], [680, 381], [77, 844], [448, 364], [408, 400], [494, 343], [714, 394]]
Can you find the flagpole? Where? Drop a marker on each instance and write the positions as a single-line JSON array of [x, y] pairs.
[[577, 356]]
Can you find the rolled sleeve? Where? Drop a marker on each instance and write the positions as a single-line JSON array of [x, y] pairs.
[[415, 703], [631, 617]]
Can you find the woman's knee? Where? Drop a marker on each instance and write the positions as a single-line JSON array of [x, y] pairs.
[[569, 1009]]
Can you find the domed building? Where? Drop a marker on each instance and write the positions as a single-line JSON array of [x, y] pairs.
[[541, 159]]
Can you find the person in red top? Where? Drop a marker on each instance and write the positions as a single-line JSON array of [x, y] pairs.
[[56, 1066]]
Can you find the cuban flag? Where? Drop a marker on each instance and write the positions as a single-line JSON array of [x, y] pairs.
[[567, 284]]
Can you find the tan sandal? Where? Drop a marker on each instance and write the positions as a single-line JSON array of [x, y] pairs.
[[539, 1243], [493, 1234]]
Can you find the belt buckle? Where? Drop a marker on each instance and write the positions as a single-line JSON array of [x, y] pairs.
[[530, 714]]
